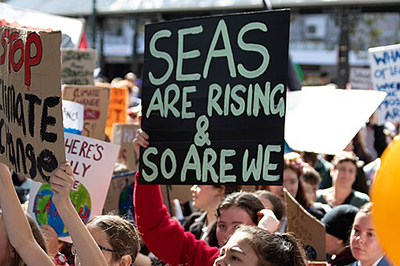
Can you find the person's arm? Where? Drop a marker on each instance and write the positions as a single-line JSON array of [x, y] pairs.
[[164, 237], [17, 226], [86, 247]]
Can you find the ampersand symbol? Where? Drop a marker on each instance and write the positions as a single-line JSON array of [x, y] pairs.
[[201, 136]]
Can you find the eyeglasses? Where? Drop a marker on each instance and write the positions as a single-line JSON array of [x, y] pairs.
[[73, 250]]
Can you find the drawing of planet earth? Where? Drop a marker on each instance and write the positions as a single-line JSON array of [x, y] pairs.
[[46, 213]]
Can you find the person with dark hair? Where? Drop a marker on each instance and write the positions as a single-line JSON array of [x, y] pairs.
[[254, 246], [343, 175], [237, 208], [206, 198], [292, 171], [320, 165], [271, 202], [311, 180], [338, 224]]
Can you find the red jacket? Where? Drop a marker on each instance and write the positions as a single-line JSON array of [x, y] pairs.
[[166, 238]]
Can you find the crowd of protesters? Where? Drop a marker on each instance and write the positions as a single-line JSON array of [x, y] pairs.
[[230, 226]]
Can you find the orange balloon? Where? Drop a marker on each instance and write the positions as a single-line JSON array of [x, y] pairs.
[[386, 197]]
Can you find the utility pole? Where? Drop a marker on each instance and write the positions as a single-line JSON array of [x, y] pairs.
[[94, 22], [343, 55]]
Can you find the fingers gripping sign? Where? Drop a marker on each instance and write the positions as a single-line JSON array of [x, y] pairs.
[[61, 183]]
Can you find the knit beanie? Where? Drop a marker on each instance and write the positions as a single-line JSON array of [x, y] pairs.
[[339, 220]]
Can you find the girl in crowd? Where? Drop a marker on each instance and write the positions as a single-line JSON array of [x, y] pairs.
[[364, 241], [167, 239], [206, 198], [343, 174], [98, 244], [293, 170], [253, 246]]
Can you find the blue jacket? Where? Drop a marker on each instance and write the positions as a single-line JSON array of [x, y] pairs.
[[383, 262]]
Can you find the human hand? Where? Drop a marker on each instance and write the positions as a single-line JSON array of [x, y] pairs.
[[51, 238], [61, 182], [267, 220], [141, 140]]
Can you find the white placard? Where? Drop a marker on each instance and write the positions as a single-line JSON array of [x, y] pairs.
[[92, 163], [324, 120], [71, 28], [72, 117], [360, 78], [385, 73]]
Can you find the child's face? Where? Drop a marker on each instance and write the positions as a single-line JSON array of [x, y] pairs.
[[229, 219], [237, 252], [363, 240]]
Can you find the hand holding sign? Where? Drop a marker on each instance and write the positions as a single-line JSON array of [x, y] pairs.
[[61, 183], [267, 220], [141, 140]]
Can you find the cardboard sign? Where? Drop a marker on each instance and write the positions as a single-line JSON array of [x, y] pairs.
[[113, 200], [360, 78], [123, 135], [385, 73], [117, 108], [71, 28], [92, 162], [72, 117], [305, 227], [324, 120], [214, 99], [78, 66], [31, 128], [95, 101]]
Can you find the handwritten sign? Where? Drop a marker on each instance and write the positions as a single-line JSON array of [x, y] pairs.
[[385, 73], [78, 66], [31, 128], [214, 99], [306, 227], [95, 101], [117, 108], [92, 163], [360, 78], [72, 117], [123, 135]]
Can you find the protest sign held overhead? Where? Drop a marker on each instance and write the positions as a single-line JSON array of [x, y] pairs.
[[92, 163], [385, 73], [306, 227], [340, 115], [78, 66], [123, 135], [31, 128], [72, 117], [214, 99], [95, 100], [117, 108]]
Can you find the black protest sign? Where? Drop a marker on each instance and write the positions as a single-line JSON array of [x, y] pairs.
[[31, 125], [214, 93]]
